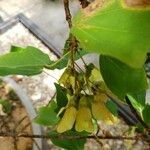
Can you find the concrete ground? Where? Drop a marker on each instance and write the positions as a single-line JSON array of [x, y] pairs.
[[48, 15]]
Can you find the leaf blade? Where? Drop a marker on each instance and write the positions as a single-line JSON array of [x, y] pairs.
[[114, 30], [23, 61], [120, 78], [69, 144], [61, 96], [47, 115]]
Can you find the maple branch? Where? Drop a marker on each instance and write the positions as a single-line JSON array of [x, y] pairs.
[[67, 12]]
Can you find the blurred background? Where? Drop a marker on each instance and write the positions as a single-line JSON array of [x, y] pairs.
[[47, 14]]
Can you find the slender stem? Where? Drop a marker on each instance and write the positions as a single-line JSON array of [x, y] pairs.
[[72, 47], [73, 42], [98, 140], [50, 75], [51, 99], [78, 67], [38, 147], [82, 59], [64, 137], [26, 126], [19, 122], [67, 12]]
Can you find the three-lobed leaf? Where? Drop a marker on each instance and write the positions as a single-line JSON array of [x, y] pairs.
[[113, 29], [47, 115]]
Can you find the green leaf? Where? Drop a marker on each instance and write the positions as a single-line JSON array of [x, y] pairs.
[[112, 107], [7, 105], [140, 128], [113, 29], [72, 144], [63, 61], [23, 61], [47, 115], [146, 113], [60, 63], [61, 96], [140, 97], [30, 61], [136, 104], [120, 78], [16, 48]]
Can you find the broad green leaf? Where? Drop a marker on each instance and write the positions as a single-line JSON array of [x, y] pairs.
[[23, 61], [61, 96], [120, 78], [72, 144], [47, 115], [146, 113], [112, 107], [113, 29]]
